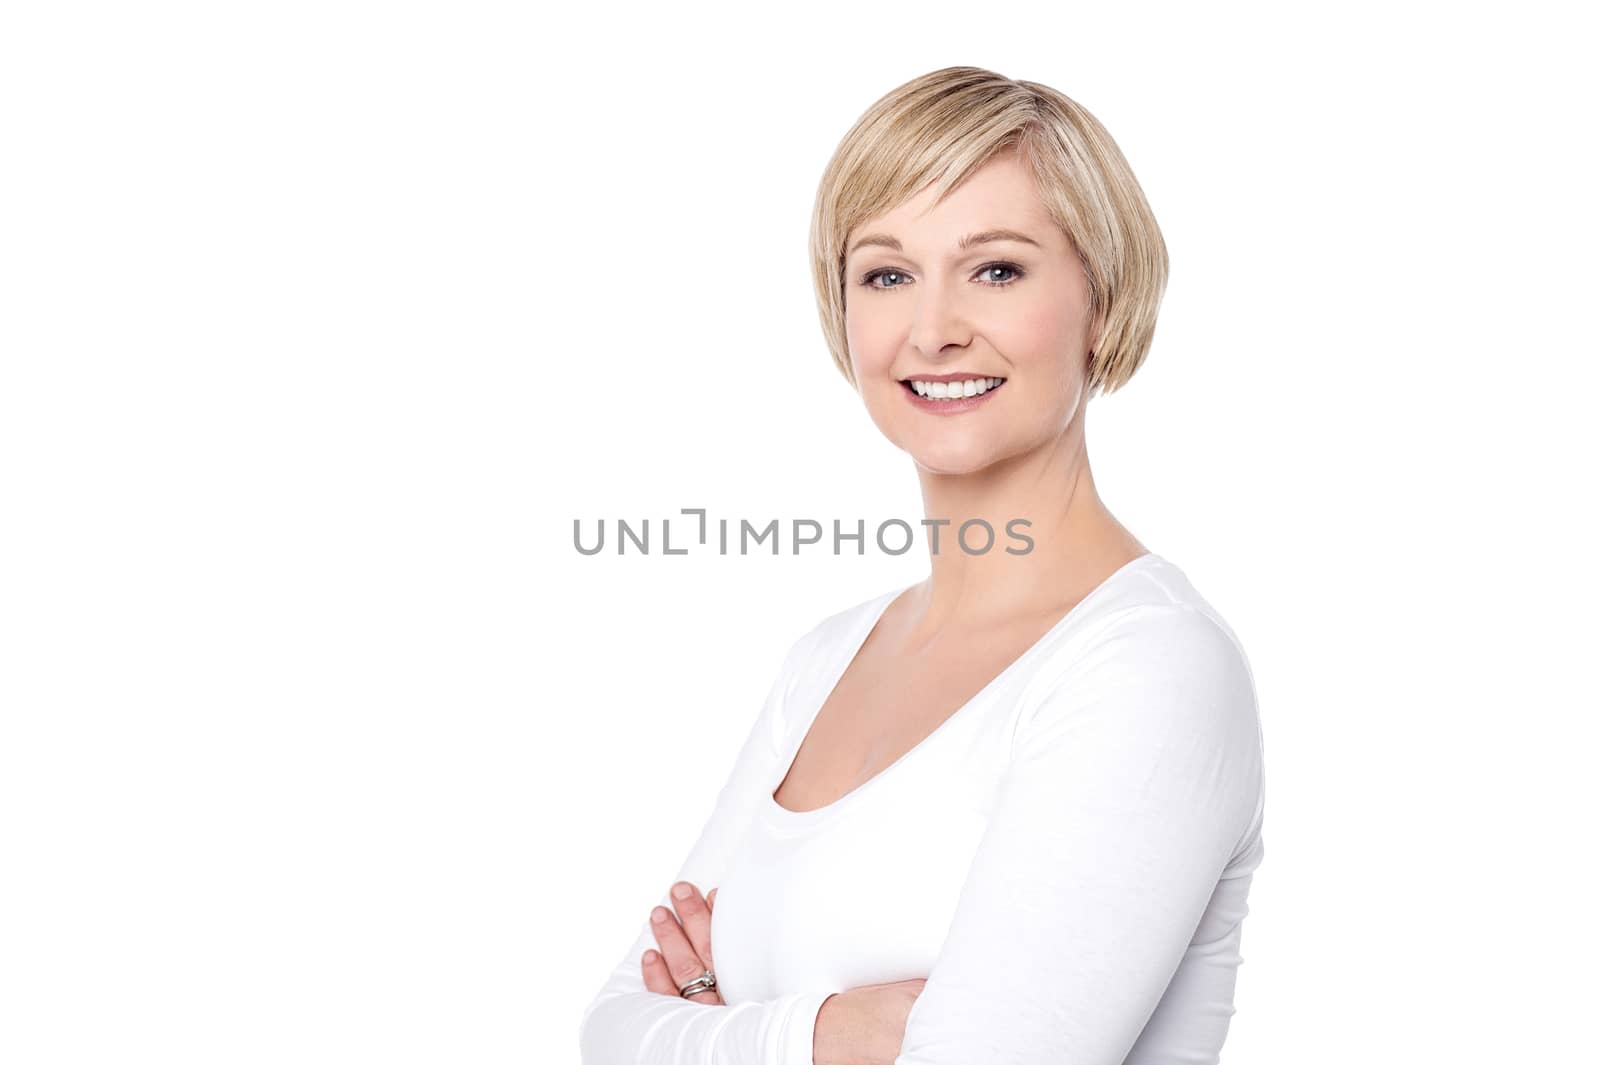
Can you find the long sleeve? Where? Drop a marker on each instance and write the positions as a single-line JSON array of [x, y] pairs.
[[626, 1024], [1135, 774]]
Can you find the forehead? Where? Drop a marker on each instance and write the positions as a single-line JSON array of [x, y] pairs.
[[999, 197]]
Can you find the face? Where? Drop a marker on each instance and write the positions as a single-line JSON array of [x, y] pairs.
[[920, 307]]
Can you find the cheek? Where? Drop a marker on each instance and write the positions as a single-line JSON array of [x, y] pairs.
[[1042, 333], [868, 346]]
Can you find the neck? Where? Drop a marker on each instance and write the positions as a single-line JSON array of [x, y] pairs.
[[1047, 496]]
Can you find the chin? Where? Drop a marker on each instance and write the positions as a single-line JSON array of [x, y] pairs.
[[952, 463]]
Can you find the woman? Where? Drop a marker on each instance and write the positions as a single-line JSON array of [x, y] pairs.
[[1009, 813]]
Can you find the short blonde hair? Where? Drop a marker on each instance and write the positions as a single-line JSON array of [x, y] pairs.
[[942, 126]]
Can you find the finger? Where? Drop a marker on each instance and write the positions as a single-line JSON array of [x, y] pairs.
[[711, 899], [656, 977], [683, 964], [659, 980], [695, 918]]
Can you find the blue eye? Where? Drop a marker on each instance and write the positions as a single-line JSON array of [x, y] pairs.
[[874, 275], [1002, 267], [867, 281]]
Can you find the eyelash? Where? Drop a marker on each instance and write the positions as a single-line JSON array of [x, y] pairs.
[[872, 275]]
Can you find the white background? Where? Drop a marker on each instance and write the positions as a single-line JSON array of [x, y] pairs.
[[323, 322]]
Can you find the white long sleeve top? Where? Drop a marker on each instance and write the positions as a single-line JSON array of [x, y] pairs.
[[1065, 860]]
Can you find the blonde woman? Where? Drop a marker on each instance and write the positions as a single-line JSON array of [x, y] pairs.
[[1010, 813]]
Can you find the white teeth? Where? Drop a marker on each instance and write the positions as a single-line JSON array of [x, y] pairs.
[[973, 386]]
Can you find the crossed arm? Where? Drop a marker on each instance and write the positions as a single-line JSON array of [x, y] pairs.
[[1136, 772], [627, 1024]]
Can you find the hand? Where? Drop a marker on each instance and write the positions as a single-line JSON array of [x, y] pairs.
[[685, 942], [864, 1025]]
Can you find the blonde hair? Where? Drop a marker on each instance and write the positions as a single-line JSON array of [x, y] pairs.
[[942, 126]]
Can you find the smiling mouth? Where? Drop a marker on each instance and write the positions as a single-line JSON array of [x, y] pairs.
[[928, 386]]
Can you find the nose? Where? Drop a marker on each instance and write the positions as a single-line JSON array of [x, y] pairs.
[[937, 322]]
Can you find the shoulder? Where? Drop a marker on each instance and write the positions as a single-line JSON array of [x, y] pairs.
[[1157, 643], [1160, 697], [1153, 651], [837, 633], [842, 623], [1155, 618]]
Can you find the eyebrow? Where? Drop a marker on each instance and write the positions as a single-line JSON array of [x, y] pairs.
[[988, 236]]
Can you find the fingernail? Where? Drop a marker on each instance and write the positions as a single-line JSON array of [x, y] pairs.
[[659, 915], [682, 891]]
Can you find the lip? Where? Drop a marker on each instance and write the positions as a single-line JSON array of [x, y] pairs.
[[947, 377], [946, 406]]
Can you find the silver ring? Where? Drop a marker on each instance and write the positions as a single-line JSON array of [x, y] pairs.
[[705, 982]]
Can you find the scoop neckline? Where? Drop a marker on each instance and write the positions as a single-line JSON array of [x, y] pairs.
[[797, 819]]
